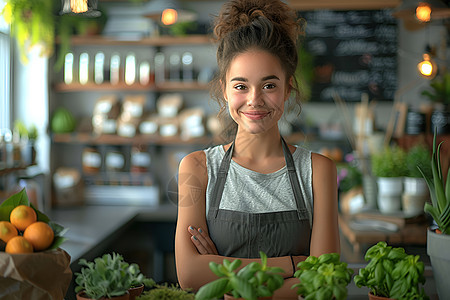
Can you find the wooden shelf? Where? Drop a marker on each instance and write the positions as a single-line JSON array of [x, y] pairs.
[[112, 139], [12, 170], [148, 41], [162, 87]]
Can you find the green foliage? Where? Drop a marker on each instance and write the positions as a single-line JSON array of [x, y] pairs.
[[32, 23], [30, 132], [37, 22], [252, 281], [21, 198], [166, 292], [323, 278], [440, 89], [390, 162], [418, 157], [392, 273], [439, 209], [305, 72], [108, 276]]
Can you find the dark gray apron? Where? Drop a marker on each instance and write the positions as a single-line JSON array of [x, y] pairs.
[[242, 234]]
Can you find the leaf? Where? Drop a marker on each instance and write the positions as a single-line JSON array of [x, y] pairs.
[[214, 289], [244, 289], [235, 264], [214, 267]]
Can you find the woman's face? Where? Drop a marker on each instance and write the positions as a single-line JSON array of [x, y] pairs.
[[256, 90]]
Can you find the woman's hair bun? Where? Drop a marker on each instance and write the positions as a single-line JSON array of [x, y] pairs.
[[238, 13]]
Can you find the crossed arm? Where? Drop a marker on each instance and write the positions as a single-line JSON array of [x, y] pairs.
[[194, 249]]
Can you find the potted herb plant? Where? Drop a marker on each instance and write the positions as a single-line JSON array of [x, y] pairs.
[[108, 276], [251, 282], [389, 167], [438, 240], [323, 278], [415, 190], [392, 273]]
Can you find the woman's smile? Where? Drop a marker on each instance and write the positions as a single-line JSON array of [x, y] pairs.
[[255, 115]]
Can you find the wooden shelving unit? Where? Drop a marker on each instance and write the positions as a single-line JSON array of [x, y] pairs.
[[161, 87], [98, 40]]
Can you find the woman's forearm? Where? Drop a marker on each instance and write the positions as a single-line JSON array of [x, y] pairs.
[[194, 272]]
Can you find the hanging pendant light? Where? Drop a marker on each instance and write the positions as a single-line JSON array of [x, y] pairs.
[[422, 11], [87, 8], [427, 67]]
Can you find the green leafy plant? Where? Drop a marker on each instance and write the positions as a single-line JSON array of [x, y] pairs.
[[323, 278], [37, 23], [392, 273], [252, 281], [440, 89], [418, 157], [32, 23], [390, 162], [108, 276], [166, 292], [21, 198], [439, 209]]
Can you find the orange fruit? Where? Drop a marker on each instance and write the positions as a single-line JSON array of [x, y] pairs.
[[22, 216], [40, 235], [18, 245], [7, 231]]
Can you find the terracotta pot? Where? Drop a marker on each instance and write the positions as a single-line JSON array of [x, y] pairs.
[[135, 291], [82, 296], [373, 297], [230, 297]]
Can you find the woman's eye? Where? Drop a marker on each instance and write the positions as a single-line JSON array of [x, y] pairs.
[[269, 86], [240, 87]]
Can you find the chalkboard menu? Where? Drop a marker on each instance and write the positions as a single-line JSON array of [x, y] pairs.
[[354, 52]]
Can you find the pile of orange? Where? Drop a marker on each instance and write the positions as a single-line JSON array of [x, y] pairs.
[[24, 233]]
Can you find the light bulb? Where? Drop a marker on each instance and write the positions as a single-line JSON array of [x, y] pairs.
[[423, 12], [169, 16], [427, 68]]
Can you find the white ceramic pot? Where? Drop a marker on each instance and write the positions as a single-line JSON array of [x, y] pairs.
[[437, 250], [390, 191], [415, 186]]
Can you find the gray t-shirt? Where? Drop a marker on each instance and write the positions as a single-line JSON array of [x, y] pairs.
[[249, 191]]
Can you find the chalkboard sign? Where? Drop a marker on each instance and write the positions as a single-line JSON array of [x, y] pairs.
[[354, 52]]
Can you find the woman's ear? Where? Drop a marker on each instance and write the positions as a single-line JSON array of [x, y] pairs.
[[289, 88], [223, 87]]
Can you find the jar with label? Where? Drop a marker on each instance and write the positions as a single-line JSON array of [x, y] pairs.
[[91, 160], [114, 161], [140, 160]]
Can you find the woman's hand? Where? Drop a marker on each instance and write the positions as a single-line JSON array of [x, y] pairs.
[[202, 241]]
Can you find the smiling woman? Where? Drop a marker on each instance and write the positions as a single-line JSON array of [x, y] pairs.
[[256, 193]]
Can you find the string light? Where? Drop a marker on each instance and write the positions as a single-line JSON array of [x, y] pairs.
[[427, 68], [169, 16], [423, 12]]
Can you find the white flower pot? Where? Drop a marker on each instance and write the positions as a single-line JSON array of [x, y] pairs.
[[415, 186], [415, 194], [390, 191]]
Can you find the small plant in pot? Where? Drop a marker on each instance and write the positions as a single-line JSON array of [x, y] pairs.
[[389, 167], [323, 278], [166, 292], [252, 281], [438, 240], [108, 276], [392, 273]]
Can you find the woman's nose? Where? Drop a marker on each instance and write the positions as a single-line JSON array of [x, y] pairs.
[[255, 98]]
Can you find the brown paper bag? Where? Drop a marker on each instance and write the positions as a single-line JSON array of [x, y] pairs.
[[38, 276]]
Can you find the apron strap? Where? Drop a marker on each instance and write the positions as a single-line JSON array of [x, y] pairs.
[[295, 184], [220, 183]]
